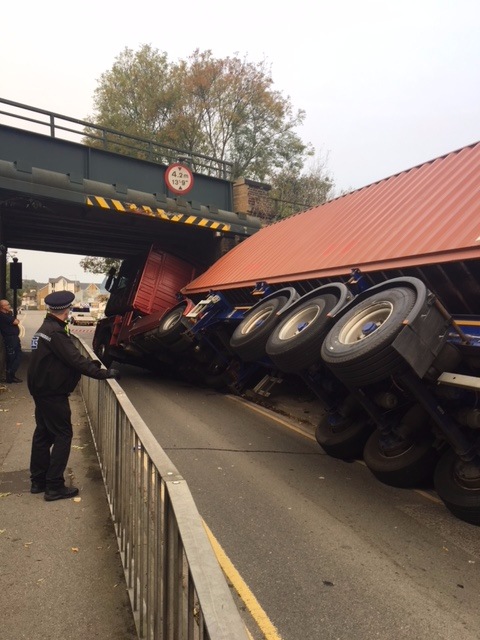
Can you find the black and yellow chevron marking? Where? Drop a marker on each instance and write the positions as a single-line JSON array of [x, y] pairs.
[[130, 207]]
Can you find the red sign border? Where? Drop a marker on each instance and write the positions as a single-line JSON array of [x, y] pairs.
[[169, 169]]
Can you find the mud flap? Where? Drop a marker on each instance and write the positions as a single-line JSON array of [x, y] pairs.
[[421, 340]]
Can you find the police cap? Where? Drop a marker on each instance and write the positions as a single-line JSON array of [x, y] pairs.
[[59, 300]]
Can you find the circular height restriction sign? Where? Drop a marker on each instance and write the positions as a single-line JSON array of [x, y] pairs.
[[179, 178]]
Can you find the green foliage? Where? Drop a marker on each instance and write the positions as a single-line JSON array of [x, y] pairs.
[[127, 98], [99, 265], [224, 108], [293, 191]]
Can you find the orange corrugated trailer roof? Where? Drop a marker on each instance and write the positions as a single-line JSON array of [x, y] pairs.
[[425, 215]]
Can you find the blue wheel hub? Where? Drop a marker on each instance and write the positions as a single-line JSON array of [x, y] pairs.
[[368, 328]]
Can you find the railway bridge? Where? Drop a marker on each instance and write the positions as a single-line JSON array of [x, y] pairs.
[[69, 186]]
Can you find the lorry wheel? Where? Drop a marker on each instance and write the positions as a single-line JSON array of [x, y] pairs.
[[101, 349], [170, 326], [343, 439], [218, 381], [358, 349], [458, 485], [249, 338], [294, 344], [211, 375], [400, 466]]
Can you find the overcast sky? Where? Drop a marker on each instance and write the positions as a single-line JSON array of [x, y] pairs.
[[385, 84]]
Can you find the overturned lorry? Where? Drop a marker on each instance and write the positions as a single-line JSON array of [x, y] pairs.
[[371, 300]]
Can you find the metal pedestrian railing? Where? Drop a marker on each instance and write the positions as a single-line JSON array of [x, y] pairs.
[[59, 126], [176, 586]]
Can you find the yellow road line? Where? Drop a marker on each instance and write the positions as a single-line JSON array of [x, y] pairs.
[[258, 614], [299, 430], [429, 496], [268, 414]]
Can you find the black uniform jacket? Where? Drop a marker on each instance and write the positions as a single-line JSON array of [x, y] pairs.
[[9, 331], [56, 365]]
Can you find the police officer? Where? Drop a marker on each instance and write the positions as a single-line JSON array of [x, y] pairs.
[[55, 369]]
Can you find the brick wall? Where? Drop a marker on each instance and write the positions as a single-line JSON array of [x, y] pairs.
[[253, 198]]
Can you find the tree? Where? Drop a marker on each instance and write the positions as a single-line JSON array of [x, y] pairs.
[[294, 191], [137, 95], [224, 108], [99, 265], [238, 116]]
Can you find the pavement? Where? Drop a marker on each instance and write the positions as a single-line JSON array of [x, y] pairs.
[[61, 576]]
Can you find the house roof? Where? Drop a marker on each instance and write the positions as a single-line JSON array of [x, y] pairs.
[[81, 285], [58, 278], [427, 214]]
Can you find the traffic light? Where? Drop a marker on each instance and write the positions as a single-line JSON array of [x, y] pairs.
[[15, 274]]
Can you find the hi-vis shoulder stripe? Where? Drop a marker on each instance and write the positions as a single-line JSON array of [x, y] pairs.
[[130, 207]]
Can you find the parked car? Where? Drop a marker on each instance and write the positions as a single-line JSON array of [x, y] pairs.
[[81, 316]]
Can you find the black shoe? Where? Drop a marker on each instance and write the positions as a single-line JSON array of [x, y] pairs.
[[37, 487], [60, 494], [15, 379]]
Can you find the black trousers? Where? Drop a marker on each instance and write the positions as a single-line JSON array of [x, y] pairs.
[[52, 440], [13, 352]]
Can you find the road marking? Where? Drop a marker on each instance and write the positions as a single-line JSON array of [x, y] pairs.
[[429, 496], [272, 416], [292, 427], [258, 614]]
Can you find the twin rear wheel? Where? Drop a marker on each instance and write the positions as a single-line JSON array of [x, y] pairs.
[[250, 337], [294, 344], [458, 485], [358, 349], [408, 465]]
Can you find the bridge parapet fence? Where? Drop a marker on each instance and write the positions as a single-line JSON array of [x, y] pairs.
[[175, 583], [60, 126]]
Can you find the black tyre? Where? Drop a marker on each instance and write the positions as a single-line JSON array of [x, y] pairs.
[[403, 466], [249, 338], [212, 376], [102, 348], [294, 344], [458, 485], [358, 349], [219, 381], [170, 327], [343, 439]]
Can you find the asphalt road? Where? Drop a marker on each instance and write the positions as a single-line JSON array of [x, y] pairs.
[[328, 551]]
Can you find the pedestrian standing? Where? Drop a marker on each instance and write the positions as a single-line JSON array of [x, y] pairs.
[[10, 330], [54, 371]]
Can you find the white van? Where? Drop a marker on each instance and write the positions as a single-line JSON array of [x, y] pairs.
[[81, 315]]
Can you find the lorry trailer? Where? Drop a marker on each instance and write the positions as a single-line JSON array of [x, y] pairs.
[[371, 300]]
